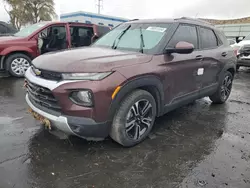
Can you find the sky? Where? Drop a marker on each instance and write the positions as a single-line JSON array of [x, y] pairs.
[[131, 9]]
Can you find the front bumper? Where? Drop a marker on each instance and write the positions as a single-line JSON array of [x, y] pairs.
[[79, 126]]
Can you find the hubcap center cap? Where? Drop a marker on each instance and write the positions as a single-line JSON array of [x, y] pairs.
[[139, 119]]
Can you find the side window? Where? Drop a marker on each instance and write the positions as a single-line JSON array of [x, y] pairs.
[[52, 39], [185, 33], [81, 36], [102, 30], [208, 38], [3, 29]]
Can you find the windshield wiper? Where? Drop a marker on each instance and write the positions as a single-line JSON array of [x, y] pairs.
[[114, 46], [142, 41]]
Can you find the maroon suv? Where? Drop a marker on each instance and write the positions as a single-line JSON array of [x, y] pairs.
[[17, 51], [138, 71]]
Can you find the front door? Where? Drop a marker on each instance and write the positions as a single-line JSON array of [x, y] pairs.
[[185, 71], [52, 38]]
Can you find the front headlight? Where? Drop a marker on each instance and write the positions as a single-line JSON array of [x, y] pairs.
[[85, 76]]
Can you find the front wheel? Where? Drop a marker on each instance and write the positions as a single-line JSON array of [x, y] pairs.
[[17, 64], [134, 118], [224, 89]]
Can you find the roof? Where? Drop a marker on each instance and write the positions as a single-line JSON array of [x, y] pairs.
[[182, 20], [64, 22]]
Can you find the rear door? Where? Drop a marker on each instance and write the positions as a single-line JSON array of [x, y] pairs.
[[185, 79], [211, 56], [81, 35]]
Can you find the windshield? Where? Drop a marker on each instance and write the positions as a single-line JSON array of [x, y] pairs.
[[29, 30], [131, 39], [247, 37]]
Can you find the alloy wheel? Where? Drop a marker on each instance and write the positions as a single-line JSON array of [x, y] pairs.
[[226, 87], [19, 66], [139, 119]]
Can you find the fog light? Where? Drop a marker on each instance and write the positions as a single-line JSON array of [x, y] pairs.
[[83, 98]]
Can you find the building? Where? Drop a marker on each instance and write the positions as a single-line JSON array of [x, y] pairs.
[[92, 18], [234, 28]]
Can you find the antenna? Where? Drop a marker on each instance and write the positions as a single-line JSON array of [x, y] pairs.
[[99, 5]]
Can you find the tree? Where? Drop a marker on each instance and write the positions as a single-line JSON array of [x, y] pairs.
[[40, 10], [24, 12], [15, 12]]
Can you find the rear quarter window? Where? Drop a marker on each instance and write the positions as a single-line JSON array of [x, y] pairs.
[[222, 37]]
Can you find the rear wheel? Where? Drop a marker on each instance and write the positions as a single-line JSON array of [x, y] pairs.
[[224, 89], [17, 64], [134, 118]]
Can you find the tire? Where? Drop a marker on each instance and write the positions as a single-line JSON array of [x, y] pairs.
[[123, 135], [223, 92], [17, 64]]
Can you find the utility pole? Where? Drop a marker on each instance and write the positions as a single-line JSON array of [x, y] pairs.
[[99, 5]]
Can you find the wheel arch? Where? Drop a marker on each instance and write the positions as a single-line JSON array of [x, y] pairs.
[[152, 84], [231, 67], [4, 63], [231, 70]]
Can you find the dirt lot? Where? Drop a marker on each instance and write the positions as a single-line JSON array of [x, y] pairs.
[[200, 145]]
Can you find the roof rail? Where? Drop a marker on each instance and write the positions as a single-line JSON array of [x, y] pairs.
[[80, 23], [133, 20], [194, 19]]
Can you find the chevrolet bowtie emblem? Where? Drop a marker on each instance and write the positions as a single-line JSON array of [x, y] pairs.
[[37, 72]]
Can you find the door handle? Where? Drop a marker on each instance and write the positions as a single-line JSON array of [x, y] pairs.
[[224, 54], [199, 57]]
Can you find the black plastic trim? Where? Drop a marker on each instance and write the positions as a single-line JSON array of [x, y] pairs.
[[186, 99], [135, 84], [88, 128]]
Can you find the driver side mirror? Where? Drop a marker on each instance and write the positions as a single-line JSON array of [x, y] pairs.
[[181, 47]]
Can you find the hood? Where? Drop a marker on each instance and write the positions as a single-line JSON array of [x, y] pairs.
[[89, 59], [243, 42], [9, 38]]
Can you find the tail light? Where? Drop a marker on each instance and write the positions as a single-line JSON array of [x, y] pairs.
[[236, 52]]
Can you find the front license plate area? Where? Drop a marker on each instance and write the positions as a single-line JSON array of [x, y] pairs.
[[40, 118]]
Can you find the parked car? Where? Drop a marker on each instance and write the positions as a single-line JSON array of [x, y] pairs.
[[17, 51], [138, 71], [243, 52], [6, 29]]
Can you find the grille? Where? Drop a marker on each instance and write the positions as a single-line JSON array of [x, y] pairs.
[[245, 50], [49, 75], [42, 96]]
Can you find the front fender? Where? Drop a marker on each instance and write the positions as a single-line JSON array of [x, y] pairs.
[[131, 85], [12, 49]]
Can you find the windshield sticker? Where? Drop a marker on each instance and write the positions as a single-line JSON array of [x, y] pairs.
[[157, 29]]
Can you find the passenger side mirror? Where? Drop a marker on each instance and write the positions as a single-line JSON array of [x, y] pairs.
[[181, 47]]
